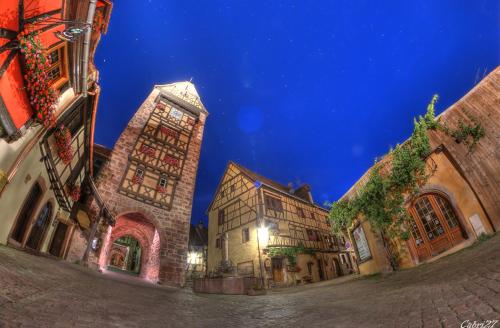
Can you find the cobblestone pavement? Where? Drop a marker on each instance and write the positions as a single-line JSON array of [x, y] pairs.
[[41, 292]]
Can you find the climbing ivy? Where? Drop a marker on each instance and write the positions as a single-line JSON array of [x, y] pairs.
[[289, 252], [381, 199]]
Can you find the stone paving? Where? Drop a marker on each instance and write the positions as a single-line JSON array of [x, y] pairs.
[[41, 292]]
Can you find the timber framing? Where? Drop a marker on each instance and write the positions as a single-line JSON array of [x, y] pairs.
[[160, 153], [293, 222]]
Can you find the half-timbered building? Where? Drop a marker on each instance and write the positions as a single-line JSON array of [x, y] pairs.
[[459, 201], [252, 219], [48, 100], [148, 181]]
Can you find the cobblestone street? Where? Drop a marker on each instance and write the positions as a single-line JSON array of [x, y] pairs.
[[40, 292]]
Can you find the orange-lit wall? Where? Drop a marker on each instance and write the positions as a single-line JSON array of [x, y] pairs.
[[11, 82]]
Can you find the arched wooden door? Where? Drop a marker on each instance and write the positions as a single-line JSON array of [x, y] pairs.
[[23, 220], [436, 227], [39, 227]]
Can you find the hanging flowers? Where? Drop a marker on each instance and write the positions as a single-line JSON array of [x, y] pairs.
[[137, 179], [161, 189], [42, 96], [75, 193], [63, 142]]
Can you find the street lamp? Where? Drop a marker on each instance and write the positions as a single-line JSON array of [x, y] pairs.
[[263, 233]]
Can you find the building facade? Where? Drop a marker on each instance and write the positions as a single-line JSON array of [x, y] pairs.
[[48, 100], [260, 228], [459, 201], [148, 183]]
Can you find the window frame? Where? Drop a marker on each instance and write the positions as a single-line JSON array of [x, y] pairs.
[[62, 63], [245, 235], [221, 217], [273, 203]]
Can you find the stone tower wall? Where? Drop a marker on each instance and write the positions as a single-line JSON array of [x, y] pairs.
[[172, 225]]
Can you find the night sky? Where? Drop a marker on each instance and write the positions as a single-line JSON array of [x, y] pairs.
[[298, 91]]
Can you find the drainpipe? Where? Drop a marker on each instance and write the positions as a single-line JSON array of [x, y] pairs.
[[86, 46], [95, 225]]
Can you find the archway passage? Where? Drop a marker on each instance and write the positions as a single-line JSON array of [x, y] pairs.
[[436, 226], [125, 255], [132, 246]]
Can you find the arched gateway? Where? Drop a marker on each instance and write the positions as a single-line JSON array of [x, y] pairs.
[[149, 182]]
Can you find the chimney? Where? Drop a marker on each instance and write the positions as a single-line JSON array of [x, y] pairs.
[[304, 192]]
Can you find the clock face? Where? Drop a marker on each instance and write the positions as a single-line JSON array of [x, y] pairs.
[[176, 114]]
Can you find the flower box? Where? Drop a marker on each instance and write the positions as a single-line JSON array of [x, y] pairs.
[[168, 132], [75, 193], [42, 97], [136, 179], [148, 151], [171, 160], [63, 142]]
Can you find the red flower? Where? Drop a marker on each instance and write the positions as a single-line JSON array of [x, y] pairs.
[[75, 193], [42, 96], [63, 141]]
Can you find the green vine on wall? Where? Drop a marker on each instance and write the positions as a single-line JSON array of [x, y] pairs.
[[381, 199], [289, 252]]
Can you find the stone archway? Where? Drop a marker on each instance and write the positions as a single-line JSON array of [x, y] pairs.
[[140, 228]]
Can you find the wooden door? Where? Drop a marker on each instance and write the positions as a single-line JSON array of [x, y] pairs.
[[24, 218], [277, 267], [338, 269], [56, 248], [39, 228], [436, 227], [320, 270]]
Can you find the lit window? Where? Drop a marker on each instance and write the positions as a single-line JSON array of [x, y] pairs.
[[176, 114], [57, 68]]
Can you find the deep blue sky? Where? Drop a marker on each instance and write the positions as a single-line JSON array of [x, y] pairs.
[[299, 91]]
